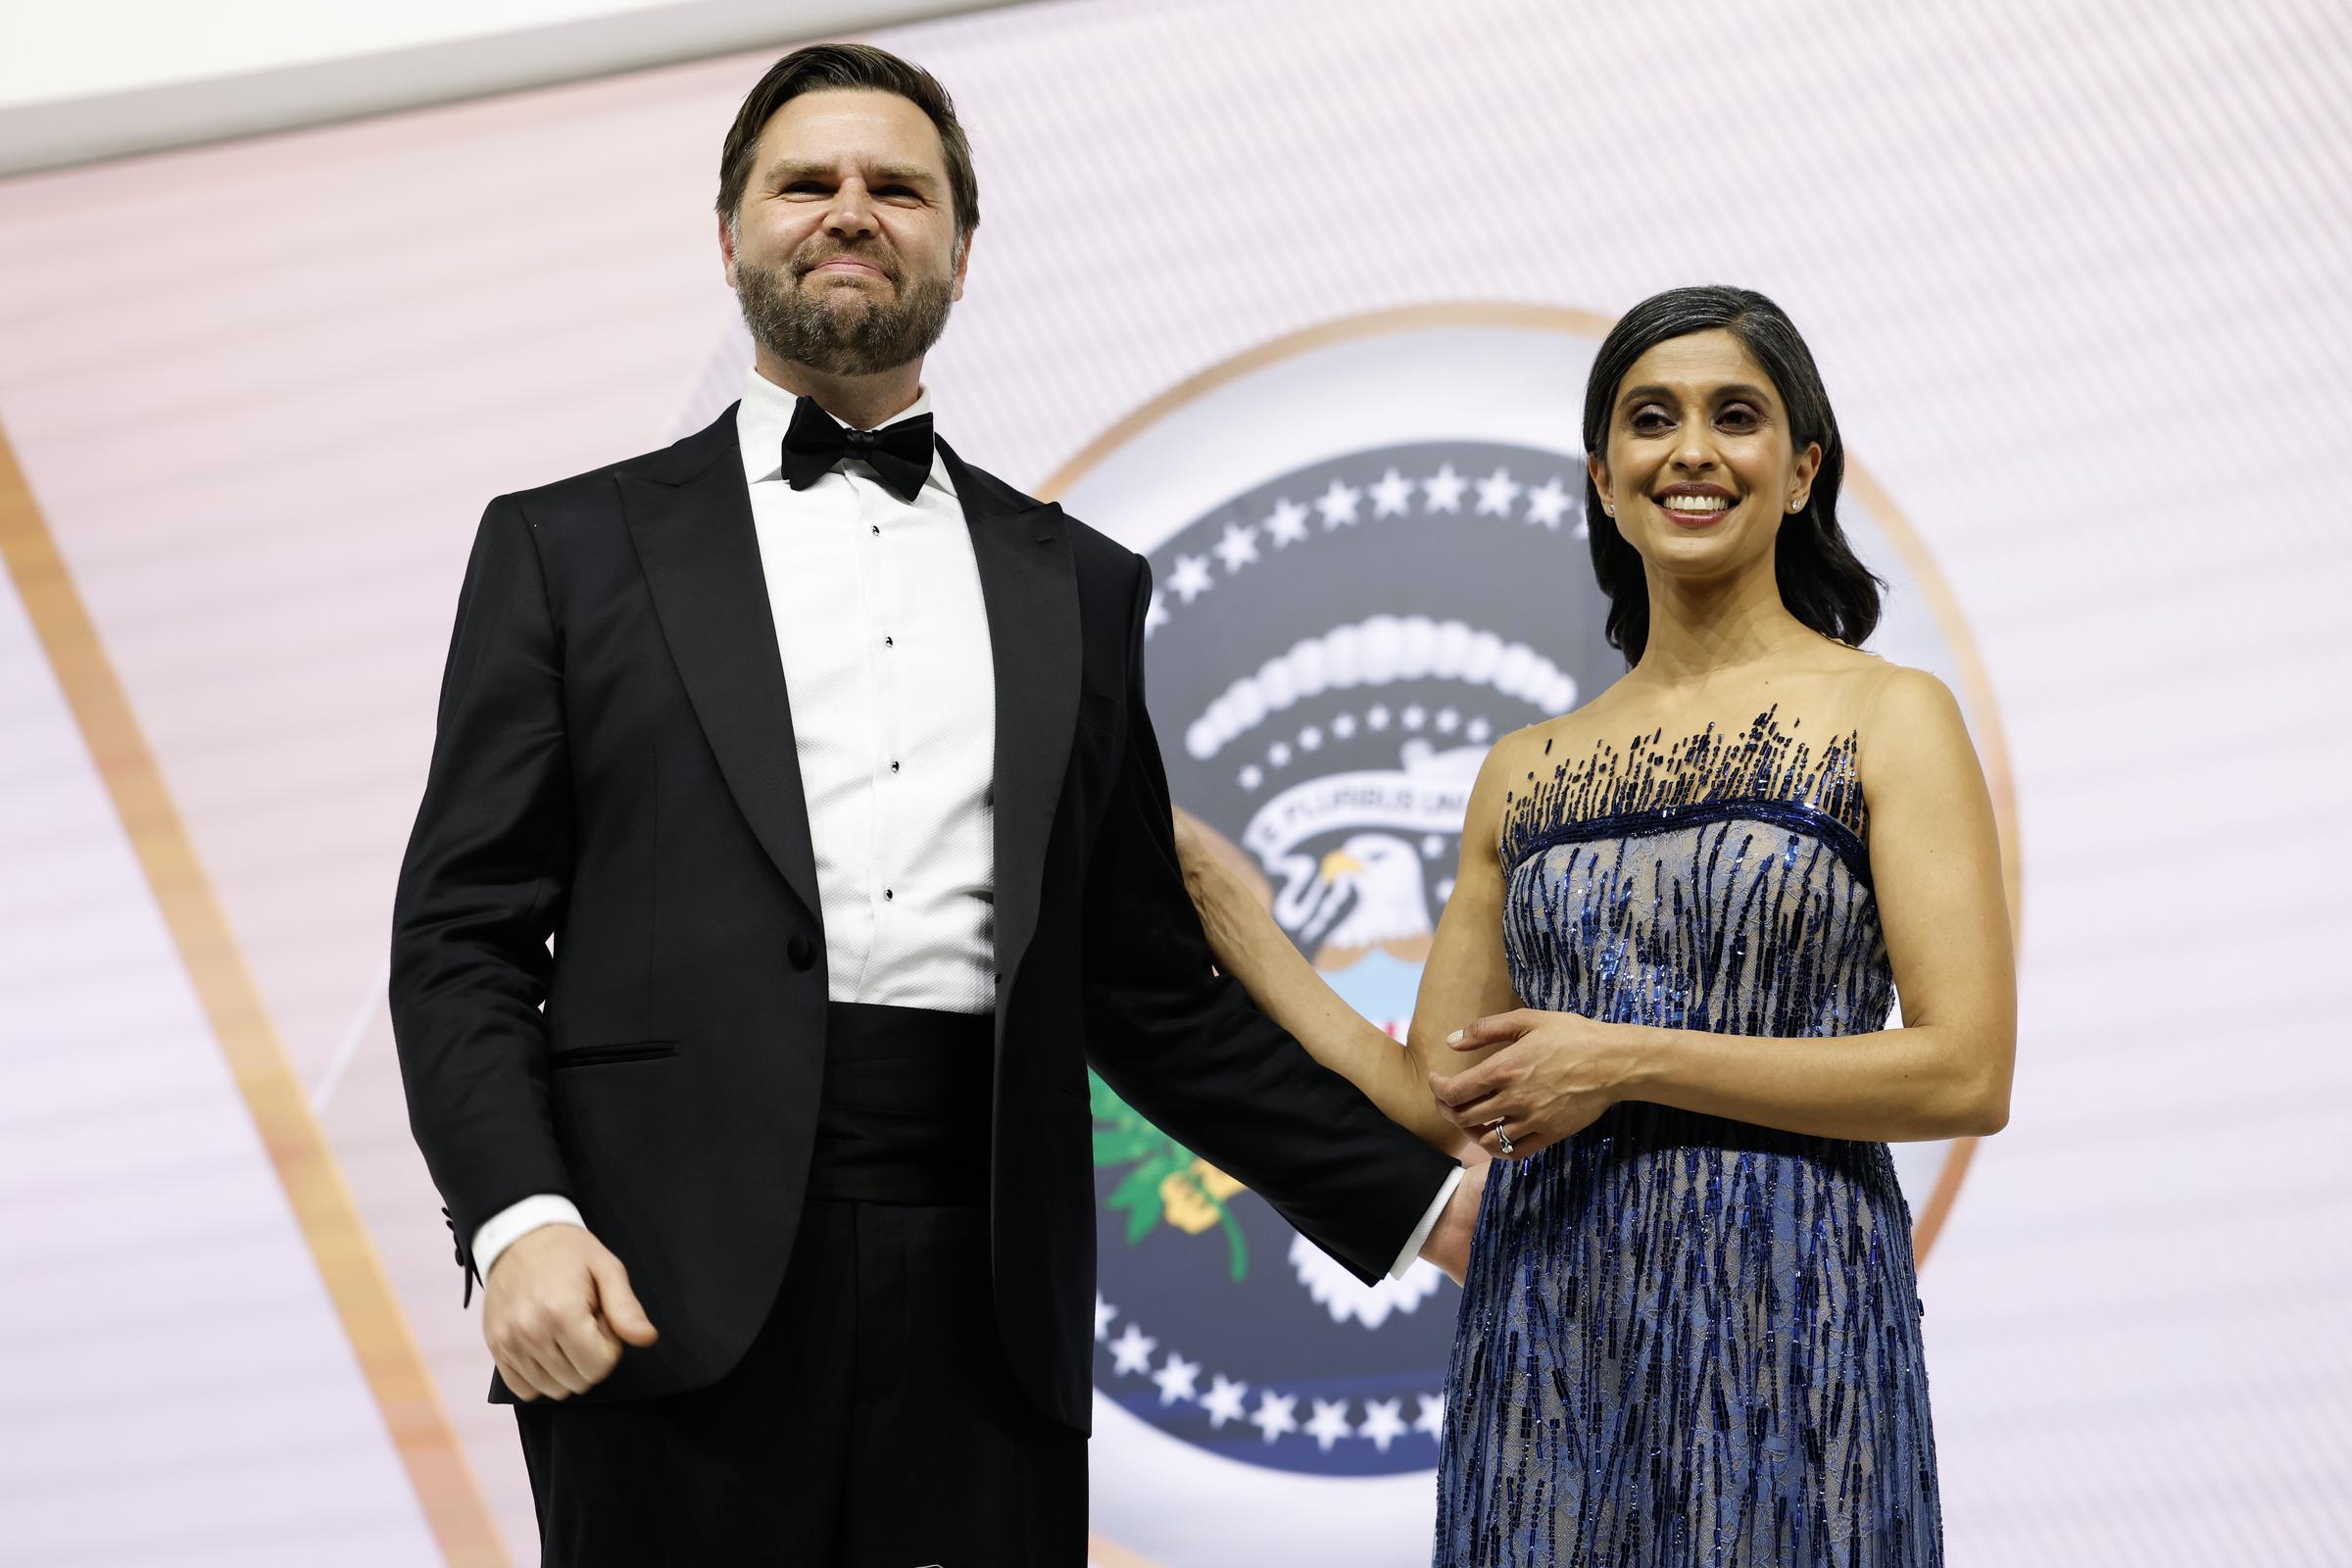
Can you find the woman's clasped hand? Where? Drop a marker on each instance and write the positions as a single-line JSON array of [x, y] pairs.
[[1553, 1075]]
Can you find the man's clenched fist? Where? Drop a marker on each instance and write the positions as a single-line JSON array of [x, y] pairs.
[[555, 1311]]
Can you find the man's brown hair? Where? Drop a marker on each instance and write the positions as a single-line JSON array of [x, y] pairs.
[[823, 65]]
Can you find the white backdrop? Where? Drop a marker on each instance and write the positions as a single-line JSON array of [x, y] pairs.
[[2072, 272]]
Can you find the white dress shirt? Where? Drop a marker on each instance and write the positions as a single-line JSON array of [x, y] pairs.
[[885, 642], [885, 645]]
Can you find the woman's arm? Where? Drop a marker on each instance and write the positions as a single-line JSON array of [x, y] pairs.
[[1935, 858], [1464, 977]]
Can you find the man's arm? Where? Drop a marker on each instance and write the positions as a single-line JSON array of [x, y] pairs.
[[1185, 1046], [481, 888]]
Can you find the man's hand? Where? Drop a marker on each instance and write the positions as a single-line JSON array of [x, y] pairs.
[[557, 1310], [1448, 1243]]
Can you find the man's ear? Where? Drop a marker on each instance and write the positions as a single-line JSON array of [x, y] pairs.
[[963, 258], [726, 248]]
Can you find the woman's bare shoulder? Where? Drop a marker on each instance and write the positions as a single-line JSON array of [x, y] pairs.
[[1558, 737], [1837, 689], [1534, 747]]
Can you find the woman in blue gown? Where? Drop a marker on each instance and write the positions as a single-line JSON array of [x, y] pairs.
[[1659, 1001]]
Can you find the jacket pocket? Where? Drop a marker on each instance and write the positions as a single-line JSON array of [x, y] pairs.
[[1097, 710], [618, 1052]]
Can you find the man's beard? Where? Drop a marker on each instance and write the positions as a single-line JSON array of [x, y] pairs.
[[812, 328]]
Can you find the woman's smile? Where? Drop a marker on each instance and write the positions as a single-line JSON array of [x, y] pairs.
[[1696, 505]]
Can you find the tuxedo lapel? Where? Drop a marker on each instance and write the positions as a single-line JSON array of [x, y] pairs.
[[689, 512], [1030, 588]]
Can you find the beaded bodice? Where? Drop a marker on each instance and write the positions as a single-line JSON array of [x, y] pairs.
[[1718, 882]]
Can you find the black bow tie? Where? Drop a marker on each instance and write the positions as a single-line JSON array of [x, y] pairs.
[[899, 454]]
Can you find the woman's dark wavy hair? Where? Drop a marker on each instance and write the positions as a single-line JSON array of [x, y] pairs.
[[1821, 583]]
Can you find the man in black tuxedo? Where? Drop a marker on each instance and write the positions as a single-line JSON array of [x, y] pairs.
[[822, 755]]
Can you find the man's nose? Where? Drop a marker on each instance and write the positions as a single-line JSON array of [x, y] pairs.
[[851, 211]]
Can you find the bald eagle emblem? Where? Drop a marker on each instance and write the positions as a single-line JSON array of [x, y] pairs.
[[1374, 885]]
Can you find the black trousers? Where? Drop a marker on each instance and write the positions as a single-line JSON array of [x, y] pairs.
[[874, 1424]]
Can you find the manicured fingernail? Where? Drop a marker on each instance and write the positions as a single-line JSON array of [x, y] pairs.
[[1454, 1038]]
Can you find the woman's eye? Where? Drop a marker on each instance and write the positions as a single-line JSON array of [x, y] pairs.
[[1739, 417], [1649, 421]]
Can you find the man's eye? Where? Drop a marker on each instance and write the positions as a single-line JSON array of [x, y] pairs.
[[803, 187]]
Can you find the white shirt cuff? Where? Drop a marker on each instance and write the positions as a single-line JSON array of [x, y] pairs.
[[1412, 1244], [512, 1223]]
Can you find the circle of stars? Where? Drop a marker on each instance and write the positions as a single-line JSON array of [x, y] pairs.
[[1226, 1400], [1294, 522]]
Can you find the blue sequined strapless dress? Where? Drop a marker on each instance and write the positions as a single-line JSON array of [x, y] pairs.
[[1685, 1342]]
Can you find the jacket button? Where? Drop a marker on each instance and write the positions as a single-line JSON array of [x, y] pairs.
[[801, 951]]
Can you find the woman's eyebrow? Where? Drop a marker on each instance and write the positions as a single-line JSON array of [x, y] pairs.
[[1735, 389]]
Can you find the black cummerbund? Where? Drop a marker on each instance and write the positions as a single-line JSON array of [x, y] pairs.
[[907, 1106]]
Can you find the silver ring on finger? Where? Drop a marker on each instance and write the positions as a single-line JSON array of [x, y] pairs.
[[1502, 1136]]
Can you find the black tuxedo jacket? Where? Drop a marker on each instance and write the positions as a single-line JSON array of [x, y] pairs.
[[614, 767]]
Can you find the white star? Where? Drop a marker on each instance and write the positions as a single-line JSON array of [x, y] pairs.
[[1444, 489], [1175, 1378], [1445, 890], [1547, 505], [1391, 495], [1223, 1402], [1253, 776], [1103, 1313], [1478, 730], [1287, 524], [1432, 846], [1310, 739], [1156, 614], [1191, 577], [1278, 753], [1378, 718], [1383, 1424], [1274, 1416], [1433, 1415], [1130, 1351], [1448, 721], [1343, 726], [1338, 505], [1584, 526], [1330, 1424], [1497, 493], [1415, 716], [1238, 548]]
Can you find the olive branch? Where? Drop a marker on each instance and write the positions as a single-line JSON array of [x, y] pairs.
[[1165, 1180]]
